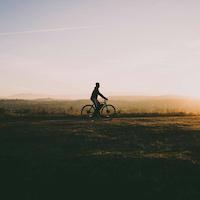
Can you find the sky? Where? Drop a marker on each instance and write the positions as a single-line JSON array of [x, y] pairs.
[[132, 47]]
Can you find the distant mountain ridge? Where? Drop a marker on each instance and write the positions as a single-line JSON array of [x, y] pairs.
[[29, 96], [144, 98], [48, 97]]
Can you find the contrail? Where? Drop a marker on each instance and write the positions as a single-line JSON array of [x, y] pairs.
[[49, 30]]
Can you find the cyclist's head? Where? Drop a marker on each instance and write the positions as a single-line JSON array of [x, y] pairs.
[[97, 85]]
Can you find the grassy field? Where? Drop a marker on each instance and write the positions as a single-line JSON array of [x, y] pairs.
[[129, 106], [142, 157]]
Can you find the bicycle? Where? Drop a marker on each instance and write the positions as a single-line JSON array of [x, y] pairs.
[[106, 110]]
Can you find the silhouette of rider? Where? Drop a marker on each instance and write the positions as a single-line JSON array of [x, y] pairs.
[[94, 98]]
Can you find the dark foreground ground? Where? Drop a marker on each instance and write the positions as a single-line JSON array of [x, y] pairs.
[[128, 158]]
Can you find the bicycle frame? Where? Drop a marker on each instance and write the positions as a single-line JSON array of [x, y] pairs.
[[104, 103]]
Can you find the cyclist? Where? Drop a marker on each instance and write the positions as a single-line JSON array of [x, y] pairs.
[[94, 98]]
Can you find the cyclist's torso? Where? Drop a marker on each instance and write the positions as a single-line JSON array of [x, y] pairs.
[[95, 93]]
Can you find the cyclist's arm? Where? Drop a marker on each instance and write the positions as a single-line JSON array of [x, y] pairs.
[[102, 96]]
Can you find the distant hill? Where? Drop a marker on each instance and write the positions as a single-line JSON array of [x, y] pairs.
[[145, 98], [29, 96], [48, 97]]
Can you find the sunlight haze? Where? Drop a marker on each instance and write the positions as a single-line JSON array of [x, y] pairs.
[[132, 47]]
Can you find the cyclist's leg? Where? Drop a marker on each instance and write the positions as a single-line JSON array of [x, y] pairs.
[[97, 106]]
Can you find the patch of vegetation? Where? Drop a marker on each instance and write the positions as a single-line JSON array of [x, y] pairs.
[[55, 108]]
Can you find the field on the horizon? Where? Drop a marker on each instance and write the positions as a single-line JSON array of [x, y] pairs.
[[124, 106]]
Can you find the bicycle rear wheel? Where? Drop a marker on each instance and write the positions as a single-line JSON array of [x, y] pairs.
[[87, 111], [108, 111]]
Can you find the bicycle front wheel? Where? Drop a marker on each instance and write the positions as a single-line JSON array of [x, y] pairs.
[[87, 111], [108, 111]]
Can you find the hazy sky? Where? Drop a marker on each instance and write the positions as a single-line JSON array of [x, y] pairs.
[[146, 47]]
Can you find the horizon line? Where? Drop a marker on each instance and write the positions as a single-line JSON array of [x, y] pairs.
[[84, 96]]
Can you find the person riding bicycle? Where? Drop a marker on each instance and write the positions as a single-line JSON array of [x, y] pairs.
[[94, 98]]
